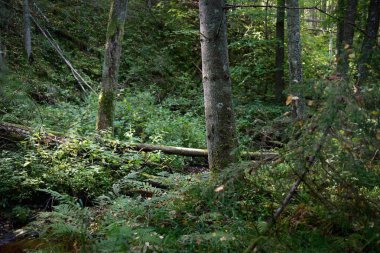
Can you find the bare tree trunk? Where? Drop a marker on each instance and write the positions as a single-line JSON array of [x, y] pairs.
[[27, 31], [2, 64], [294, 55], [220, 119], [148, 4], [266, 35], [347, 38], [341, 5], [280, 52], [115, 32], [331, 42], [369, 40]]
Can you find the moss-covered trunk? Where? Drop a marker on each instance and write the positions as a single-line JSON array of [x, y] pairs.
[[220, 122], [115, 32]]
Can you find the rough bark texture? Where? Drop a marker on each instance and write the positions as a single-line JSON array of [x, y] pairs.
[[294, 56], [220, 121], [341, 5], [27, 31], [348, 37], [2, 64], [280, 52], [369, 41], [115, 32]]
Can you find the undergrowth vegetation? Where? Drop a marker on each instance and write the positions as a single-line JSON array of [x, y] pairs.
[[95, 194]]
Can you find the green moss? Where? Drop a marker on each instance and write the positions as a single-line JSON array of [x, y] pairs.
[[114, 24], [106, 110]]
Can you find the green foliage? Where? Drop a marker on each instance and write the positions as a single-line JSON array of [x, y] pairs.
[[20, 215], [176, 122], [114, 200]]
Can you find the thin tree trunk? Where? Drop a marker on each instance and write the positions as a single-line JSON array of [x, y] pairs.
[[348, 37], [369, 40], [220, 120], [341, 6], [2, 64], [148, 4], [27, 31], [266, 33], [280, 52], [331, 42], [115, 32], [294, 55]]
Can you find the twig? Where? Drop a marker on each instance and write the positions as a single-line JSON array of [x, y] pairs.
[[54, 44], [305, 170], [236, 6]]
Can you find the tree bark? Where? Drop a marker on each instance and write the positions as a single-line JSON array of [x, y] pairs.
[[266, 33], [220, 119], [115, 32], [14, 132], [369, 40], [341, 5], [280, 52], [294, 56], [27, 31], [322, 15], [347, 38], [2, 64]]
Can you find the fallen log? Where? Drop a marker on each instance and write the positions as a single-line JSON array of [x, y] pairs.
[[194, 152], [14, 132]]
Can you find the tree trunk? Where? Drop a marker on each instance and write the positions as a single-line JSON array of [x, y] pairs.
[[280, 52], [331, 43], [148, 4], [348, 37], [2, 64], [266, 33], [27, 31], [220, 119], [369, 40], [322, 15], [294, 55], [115, 32], [341, 5]]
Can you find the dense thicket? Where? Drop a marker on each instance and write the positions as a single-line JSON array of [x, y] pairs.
[[86, 192]]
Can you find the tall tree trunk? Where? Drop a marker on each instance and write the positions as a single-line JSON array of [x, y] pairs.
[[369, 40], [220, 120], [347, 38], [27, 31], [115, 32], [341, 6], [266, 33], [280, 52], [2, 64], [294, 55], [331, 46], [148, 4]]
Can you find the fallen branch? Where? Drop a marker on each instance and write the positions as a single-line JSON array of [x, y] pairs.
[[18, 133]]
